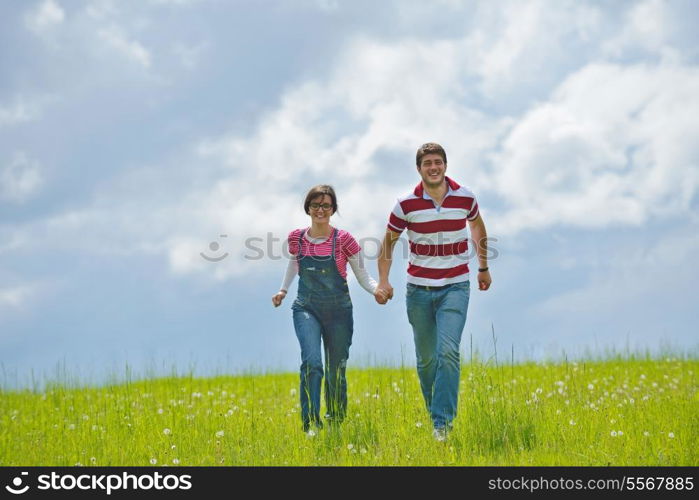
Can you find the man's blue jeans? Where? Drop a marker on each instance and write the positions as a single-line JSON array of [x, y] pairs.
[[438, 317]]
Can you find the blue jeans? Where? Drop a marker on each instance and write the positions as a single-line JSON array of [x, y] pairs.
[[329, 320], [438, 317]]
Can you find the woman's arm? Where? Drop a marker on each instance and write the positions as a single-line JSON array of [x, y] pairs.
[[368, 283], [292, 269]]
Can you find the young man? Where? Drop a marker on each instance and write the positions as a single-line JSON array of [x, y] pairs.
[[436, 214]]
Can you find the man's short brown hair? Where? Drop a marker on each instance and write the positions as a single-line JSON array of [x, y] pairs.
[[430, 148], [319, 191]]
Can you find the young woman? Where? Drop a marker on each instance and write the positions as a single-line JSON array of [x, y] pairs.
[[323, 309]]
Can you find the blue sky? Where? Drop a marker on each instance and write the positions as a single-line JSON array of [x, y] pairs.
[[133, 134]]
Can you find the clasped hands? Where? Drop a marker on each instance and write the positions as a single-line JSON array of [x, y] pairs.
[[383, 293]]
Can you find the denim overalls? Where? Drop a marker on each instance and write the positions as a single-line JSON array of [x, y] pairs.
[[322, 309]]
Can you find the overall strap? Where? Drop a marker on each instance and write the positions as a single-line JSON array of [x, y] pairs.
[[298, 254], [334, 240]]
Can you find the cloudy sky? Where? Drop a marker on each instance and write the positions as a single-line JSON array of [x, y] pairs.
[[136, 136]]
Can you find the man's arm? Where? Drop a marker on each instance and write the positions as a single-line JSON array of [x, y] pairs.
[[385, 259], [480, 240]]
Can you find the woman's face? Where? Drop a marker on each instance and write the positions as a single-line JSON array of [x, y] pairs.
[[321, 208]]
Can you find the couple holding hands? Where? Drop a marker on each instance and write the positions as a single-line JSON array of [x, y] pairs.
[[435, 215]]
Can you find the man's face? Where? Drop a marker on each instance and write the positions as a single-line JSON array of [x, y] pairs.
[[432, 169]]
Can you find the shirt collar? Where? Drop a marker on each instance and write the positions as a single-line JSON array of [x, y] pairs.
[[451, 187]]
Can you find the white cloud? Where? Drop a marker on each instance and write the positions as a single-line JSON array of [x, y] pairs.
[[131, 49], [647, 26], [615, 144], [630, 274], [20, 179], [612, 145], [101, 9], [516, 44], [21, 110], [189, 55], [15, 297], [174, 2], [328, 5], [47, 15]]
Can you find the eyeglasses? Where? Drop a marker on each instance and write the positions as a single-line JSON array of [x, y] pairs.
[[324, 206]]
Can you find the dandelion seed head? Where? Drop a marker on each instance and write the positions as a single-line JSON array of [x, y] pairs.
[[219, 434], [613, 433], [153, 461], [671, 435], [167, 431], [176, 461]]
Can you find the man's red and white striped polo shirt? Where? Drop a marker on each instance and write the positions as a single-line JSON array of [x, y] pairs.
[[438, 236]]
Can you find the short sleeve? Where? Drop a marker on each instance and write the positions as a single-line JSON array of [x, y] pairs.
[[473, 212], [349, 245], [293, 241], [396, 221]]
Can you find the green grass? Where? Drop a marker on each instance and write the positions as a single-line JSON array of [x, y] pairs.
[[614, 412]]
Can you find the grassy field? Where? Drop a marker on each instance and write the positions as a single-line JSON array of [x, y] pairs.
[[614, 412]]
